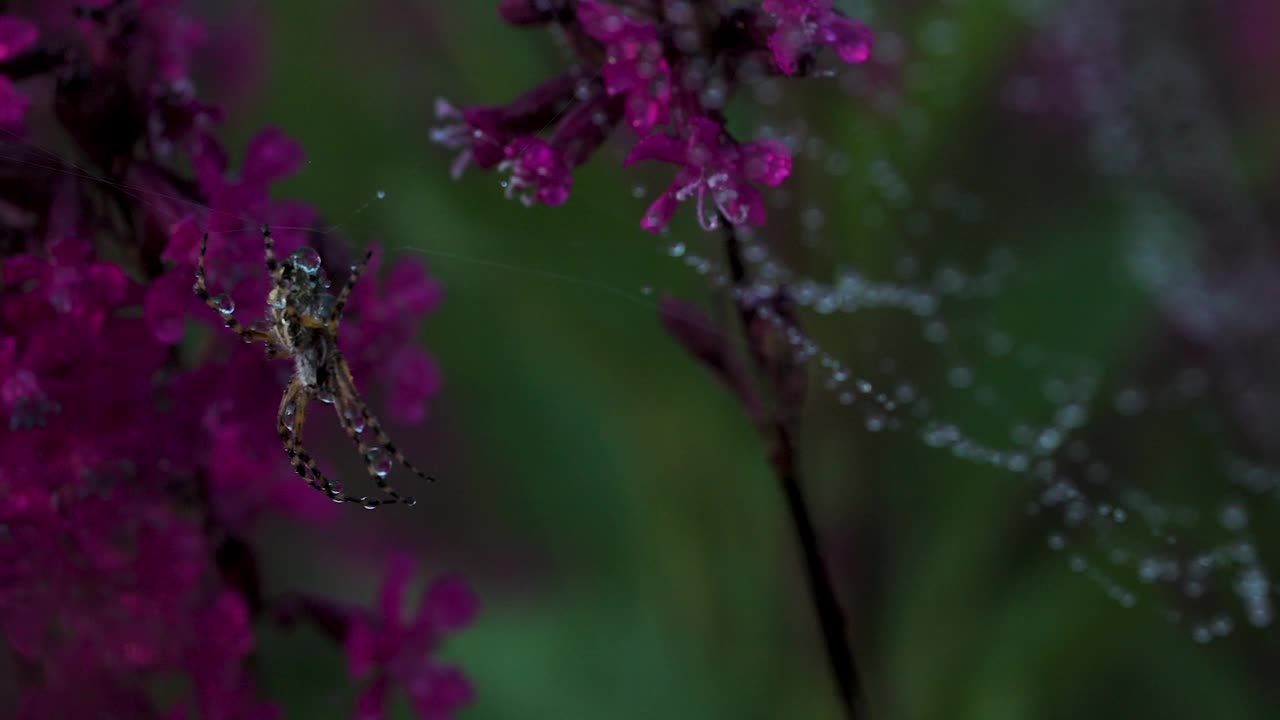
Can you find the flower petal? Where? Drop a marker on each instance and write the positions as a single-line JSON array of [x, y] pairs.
[[767, 162], [659, 146], [416, 378], [165, 306], [271, 155], [13, 104], [448, 604], [658, 216], [16, 36]]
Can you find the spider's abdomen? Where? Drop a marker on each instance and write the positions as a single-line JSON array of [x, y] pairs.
[[313, 353]]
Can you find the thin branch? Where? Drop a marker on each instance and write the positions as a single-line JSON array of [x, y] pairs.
[[787, 381]]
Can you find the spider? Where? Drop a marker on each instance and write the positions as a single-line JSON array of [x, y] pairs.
[[302, 324]]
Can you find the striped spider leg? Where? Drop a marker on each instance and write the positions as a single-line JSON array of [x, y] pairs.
[[302, 325]]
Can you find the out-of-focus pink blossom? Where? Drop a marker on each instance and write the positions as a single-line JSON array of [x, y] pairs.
[[132, 459], [390, 648], [17, 35]]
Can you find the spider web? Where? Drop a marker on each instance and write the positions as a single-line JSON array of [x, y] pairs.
[[940, 310], [1152, 329]]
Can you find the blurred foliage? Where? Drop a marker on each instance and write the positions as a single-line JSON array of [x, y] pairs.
[[612, 504]]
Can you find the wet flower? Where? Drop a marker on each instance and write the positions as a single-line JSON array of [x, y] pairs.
[[635, 65], [483, 133], [714, 167], [802, 24], [538, 173], [390, 648], [663, 67]]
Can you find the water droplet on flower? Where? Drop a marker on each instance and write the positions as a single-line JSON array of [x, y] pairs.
[[224, 304], [676, 249], [306, 259]]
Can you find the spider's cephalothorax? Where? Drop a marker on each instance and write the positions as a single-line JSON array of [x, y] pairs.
[[302, 324]]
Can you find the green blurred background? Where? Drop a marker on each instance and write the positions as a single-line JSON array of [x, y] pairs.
[[608, 499]]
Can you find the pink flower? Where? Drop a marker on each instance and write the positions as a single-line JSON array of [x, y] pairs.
[[13, 104], [635, 66], [804, 23], [538, 172], [713, 166], [17, 35], [391, 648], [379, 337], [483, 133], [129, 466]]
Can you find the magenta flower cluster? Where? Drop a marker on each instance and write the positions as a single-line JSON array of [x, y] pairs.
[[137, 454], [666, 68]]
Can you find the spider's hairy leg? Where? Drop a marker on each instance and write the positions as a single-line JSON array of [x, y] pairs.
[[345, 293], [357, 406], [269, 251], [202, 291], [349, 410], [294, 403]]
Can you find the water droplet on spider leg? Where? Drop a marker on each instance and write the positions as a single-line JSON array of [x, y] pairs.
[[224, 304], [306, 259], [410, 500], [326, 397], [379, 461], [354, 419], [290, 412], [370, 503], [335, 487]]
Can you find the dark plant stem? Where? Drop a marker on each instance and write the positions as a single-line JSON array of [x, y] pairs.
[[779, 428]]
